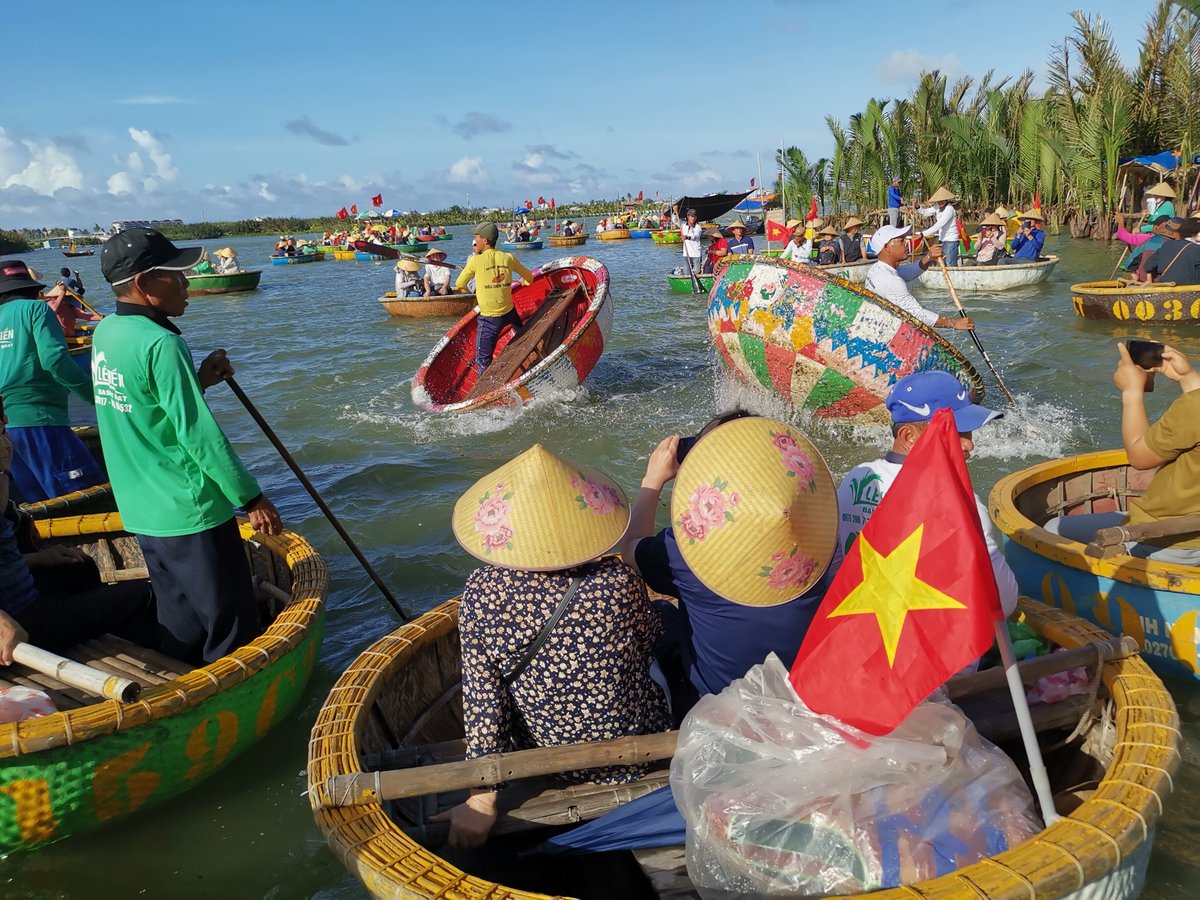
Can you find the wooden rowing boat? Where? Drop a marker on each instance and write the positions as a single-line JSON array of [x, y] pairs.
[[95, 499], [74, 253], [296, 260], [554, 352], [455, 305], [1156, 603], [516, 246], [573, 240], [614, 234], [667, 237], [855, 272], [224, 284], [94, 761], [1113, 301], [820, 343], [369, 249], [399, 706], [682, 284], [989, 278]]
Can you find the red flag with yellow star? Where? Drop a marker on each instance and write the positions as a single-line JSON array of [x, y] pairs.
[[914, 601]]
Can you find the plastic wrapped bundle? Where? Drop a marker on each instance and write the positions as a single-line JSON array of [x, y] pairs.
[[780, 801]]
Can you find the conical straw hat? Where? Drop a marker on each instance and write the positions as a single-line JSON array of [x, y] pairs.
[[224, 252], [792, 223], [540, 513], [942, 193], [408, 265], [993, 219], [754, 510], [828, 229], [1162, 189], [1034, 214], [852, 221], [736, 223]]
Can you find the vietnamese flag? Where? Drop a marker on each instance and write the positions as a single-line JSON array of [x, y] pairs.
[[342, 214], [777, 232], [812, 210], [377, 200], [640, 194], [963, 237], [1037, 201], [913, 603], [552, 203], [354, 209]]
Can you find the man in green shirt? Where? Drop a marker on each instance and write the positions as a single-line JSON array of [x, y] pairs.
[[175, 477], [36, 375]]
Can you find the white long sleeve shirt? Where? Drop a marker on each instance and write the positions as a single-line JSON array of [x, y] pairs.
[[892, 285], [801, 253], [946, 224]]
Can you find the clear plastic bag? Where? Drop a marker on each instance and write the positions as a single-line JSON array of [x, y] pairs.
[[18, 703], [780, 801]]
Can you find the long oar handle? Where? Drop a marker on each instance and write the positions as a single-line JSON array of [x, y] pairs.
[[1119, 261], [974, 337], [696, 288], [77, 675], [312, 491]]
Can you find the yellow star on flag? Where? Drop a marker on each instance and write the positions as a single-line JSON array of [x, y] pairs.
[[890, 590]]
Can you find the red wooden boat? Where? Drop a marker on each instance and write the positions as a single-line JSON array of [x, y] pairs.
[[427, 237], [566, 317]]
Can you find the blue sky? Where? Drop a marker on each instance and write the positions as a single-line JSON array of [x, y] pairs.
[[228, 110]]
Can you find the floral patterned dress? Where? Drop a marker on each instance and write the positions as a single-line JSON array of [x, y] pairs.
[[589, 681]]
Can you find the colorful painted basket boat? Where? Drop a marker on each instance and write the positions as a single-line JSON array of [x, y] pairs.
[[96, 762], [224, 284], [95, 499], [989, 278], [1156, 603], [298, 259], [667, 237], [574, 240], [446, 379], [682, 284], [641, 232], [1114, 302], [455, 305], [408, 684], [515, 246], [820, 343]]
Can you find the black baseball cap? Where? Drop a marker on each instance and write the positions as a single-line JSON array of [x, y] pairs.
[[137, 250], [15, 276]]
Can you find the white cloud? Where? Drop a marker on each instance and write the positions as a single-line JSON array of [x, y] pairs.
[[265, 192], [467, 170], [44, 167], [903, 66], [121, 183], [534, 160], [164, 169]]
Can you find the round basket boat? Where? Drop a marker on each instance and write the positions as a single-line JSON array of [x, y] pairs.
[[1156, 603], [614, 234], [95, 499], [855, 272], [399, 705], [574, 240], [517, 246], [1113, 301], [989, 278], [223, 284], [820, 343], [343, 255], [96, 761], [298, 259], [566, 316], [682, 284], [455, 305], [667, 237]]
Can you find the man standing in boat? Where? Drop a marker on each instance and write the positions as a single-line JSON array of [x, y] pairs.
[[895, 201], [889, 278], [492, 270], [175, 477], [691, 232], [945, 226]]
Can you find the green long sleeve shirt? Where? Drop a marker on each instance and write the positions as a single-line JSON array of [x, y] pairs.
[[36, 371], [173, 470]]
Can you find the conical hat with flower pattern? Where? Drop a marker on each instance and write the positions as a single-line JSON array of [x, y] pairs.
[[754, 510], [541, 513]]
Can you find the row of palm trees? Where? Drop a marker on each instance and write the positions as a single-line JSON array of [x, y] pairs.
[[995, 141]]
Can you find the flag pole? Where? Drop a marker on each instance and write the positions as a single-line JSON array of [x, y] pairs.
[[761, 208], [1037, 766]]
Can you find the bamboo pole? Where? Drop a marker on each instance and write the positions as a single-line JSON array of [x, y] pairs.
[[1111, 541], [76, 675], [974, 337]]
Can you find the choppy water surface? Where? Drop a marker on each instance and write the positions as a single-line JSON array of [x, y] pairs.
[[331, 372]]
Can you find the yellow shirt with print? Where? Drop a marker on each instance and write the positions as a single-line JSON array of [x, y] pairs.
[[1175, 488], [492, 271]]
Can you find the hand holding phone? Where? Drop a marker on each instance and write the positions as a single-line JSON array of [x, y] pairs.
[[1145, 354]]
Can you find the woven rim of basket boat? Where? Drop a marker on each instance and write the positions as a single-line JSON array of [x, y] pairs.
[[1018, 527], [310, 583], [1077, 849], [1112, 289], [1045, 263], [64, 503], [826, 275]]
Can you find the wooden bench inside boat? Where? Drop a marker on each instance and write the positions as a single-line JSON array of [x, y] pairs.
[[540, 335]]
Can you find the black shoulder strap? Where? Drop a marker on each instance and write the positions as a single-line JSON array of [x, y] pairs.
[[540, 640]]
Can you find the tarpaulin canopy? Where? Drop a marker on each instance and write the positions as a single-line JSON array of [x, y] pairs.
[[392, 213], [755, 204], [1162, 162], [708, 208], [369, 214], [648, 821]]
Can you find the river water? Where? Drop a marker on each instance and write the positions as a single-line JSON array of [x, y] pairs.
[[331, 372]]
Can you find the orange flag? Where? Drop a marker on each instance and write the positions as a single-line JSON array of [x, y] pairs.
[[913, 603]]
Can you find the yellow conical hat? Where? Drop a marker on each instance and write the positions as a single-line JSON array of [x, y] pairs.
[[754, 510], [541, 513], [1162, 189], [942, 193], [993, 219]]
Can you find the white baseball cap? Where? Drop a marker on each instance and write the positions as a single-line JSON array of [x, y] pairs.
[[888, 233]]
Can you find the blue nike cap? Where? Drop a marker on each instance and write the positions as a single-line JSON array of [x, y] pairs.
[[915, 398]]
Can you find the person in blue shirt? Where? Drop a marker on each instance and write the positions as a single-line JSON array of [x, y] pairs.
[[895, 201], [739, 241], [1027, 243]]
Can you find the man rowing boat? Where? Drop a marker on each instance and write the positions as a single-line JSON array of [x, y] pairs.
[[889, 279]]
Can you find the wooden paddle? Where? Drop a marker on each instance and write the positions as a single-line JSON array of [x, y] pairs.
[[412, 257], [1111, 541], [312, 491], [1119, 261], [696, 288], [974, 337]]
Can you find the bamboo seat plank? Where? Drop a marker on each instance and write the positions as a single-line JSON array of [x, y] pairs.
[[64, 697], [100, 659], [159, 674], [151, 657]]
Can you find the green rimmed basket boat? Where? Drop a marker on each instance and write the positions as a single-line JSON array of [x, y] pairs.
[[399, 705], [96, 761], [682, 284], [224, 284]]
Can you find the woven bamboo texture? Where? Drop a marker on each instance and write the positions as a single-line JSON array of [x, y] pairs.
[[420, 308], [1112, 301], [73, 770], [1080, 848]]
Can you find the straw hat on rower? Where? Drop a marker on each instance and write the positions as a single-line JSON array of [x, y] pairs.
[[224, 253], [942, 193], [737, 223], [1034, 214], [541, 513], [829, 230], [754, 510], [993, 219], [435, 251], [408, 265], [1162, 189]]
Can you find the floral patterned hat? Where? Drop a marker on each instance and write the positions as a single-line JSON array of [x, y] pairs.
[[540, 513], [754, 510]]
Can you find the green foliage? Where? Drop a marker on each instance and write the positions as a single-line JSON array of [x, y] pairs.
[[12, 242]]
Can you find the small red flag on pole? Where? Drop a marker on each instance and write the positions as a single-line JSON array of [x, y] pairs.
[[913, 603], [812, 210], [751, 183], [377, 200], [963, 237], [1037, 201], [777, 232], [641, 194], [342, 214], [354, 209], [552, 203]]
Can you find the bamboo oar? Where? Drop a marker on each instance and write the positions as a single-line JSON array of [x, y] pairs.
[[1119, 261], [84, 303], [974, 337], [77, 675], [312, 491], [696, 288], [412, 257], [1111, 541]]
